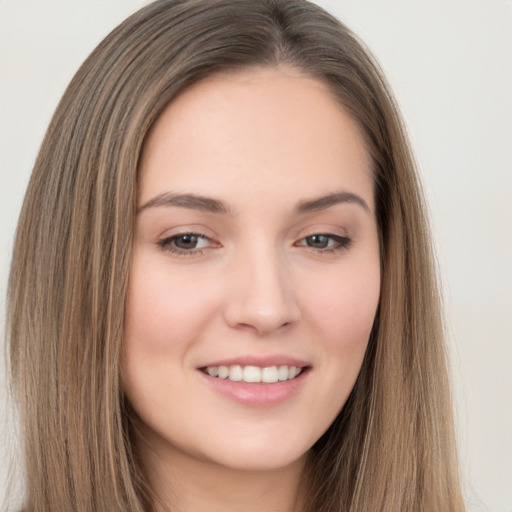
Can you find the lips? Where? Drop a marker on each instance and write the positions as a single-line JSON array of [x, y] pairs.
[[256, 382]]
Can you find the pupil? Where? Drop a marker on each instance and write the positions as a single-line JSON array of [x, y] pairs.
[[186, 241], [318, 241]]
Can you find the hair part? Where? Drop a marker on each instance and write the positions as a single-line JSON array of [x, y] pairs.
[[392, 446]]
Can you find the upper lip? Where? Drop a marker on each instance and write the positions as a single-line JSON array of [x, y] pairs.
[[261, 361]]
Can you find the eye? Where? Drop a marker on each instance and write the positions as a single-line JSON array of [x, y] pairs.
[[186, 243], [324, 242]]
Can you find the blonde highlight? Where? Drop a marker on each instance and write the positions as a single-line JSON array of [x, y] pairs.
[[71, 260]]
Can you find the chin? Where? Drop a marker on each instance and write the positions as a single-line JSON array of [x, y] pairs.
[[255, 455], [252, 462]]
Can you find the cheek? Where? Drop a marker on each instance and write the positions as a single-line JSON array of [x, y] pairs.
[[342, 313], [161, 325], [343, 308], [161, 313]]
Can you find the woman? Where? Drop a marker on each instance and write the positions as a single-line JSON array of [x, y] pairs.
[[222, 291]]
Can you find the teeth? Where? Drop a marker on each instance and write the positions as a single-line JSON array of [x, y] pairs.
[[282, 373], [223, 371], [269, 374], [252, 374], [235, 373], [213, 371]]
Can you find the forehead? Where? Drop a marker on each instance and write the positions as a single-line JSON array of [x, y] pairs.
[[255, 130]]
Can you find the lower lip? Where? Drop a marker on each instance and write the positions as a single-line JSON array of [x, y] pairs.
[[257, 394]]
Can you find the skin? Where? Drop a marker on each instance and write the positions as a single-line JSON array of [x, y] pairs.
[[262, 141]]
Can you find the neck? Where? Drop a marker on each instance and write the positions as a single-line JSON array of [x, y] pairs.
[[185, 484]]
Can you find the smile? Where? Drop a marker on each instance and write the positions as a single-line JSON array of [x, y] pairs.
[[254, 374]]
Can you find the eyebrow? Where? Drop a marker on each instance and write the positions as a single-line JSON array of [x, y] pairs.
[[324, 202], [211, 205], [192, 201]]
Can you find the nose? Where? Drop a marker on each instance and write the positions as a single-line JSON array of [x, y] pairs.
[[262, 296]]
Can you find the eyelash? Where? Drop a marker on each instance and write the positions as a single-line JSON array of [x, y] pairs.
[[341, 243], [168, 244]]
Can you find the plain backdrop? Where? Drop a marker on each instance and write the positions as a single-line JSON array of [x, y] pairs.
[[450, 65]]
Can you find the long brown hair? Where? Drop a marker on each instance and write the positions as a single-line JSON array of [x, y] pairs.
[[392, 447]]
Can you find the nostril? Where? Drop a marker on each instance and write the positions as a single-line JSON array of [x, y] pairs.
[[261, 299], [264, 324]]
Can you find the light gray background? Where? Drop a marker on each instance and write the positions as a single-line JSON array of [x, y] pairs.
[[450, 65]]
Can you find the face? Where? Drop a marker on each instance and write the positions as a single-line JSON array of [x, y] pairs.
[[255, 275]]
